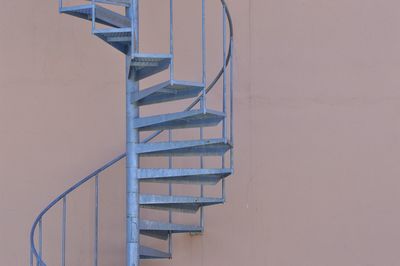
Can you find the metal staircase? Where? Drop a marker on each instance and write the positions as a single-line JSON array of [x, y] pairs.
[[120, 30]]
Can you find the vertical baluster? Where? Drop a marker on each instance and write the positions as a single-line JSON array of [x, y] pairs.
[[203, 98], [170, 193], [64, 230], [224, 133], [128, 11], [201, 186], [39, 262], [93, 16], [203, 49], [30, 255], [231, 101], [96, 222], [135, 29], [171, 39]]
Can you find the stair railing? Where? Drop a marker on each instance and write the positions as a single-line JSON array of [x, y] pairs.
[[37, 254], [227, 62]]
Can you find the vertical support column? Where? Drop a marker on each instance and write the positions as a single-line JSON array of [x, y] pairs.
[[132, 139], [224, 130]]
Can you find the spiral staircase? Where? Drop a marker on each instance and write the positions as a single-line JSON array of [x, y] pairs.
[[121, 32]]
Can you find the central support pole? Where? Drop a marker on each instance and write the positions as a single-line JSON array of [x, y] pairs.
[[132, 139]]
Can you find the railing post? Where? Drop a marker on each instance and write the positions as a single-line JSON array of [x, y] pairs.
[[39, 262], [93, 16], [64, 230], [30, 255], [171, 40], [201, 186], [203, 52], [96, 222], [224, 133], [170, 193], [231, 102]]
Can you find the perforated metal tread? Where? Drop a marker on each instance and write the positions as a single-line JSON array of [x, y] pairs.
[[206, 176], [162, 230], [177, 203], [145, 65], [207, 147], [187, 119], [147, 253], [114, 2], [167, 91]]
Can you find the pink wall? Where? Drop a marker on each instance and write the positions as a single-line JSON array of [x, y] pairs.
[[317, 131]]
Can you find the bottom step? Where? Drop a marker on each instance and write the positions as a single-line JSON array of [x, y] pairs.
[[147, 253]]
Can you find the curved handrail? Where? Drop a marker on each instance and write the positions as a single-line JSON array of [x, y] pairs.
[[61, 196], [219, 75]]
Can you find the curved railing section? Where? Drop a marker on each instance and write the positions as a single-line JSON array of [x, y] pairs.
[[37, 224]]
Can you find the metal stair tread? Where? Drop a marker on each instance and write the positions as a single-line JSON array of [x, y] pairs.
[[118, 38], [151, 253], [177, 203], [206, 176], [145, 65], [186, 119], [114, 2], [206, 147], [162, 230], [103, 15], [167, 91]]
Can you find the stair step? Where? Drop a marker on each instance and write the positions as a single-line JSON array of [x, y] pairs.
[[103, 15], [118, 38], [177, 203], [151, 253], [161, 230], [183, 176], [145, 65], [187, 119], [207, 147], [168, 91], [114, 2]]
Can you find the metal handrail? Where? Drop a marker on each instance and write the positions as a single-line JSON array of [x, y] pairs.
[[219, 75], [62, 196]]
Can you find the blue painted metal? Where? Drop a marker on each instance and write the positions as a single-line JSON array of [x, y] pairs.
[[96, 222], [63, 230], [58, 199], [123, 34]]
